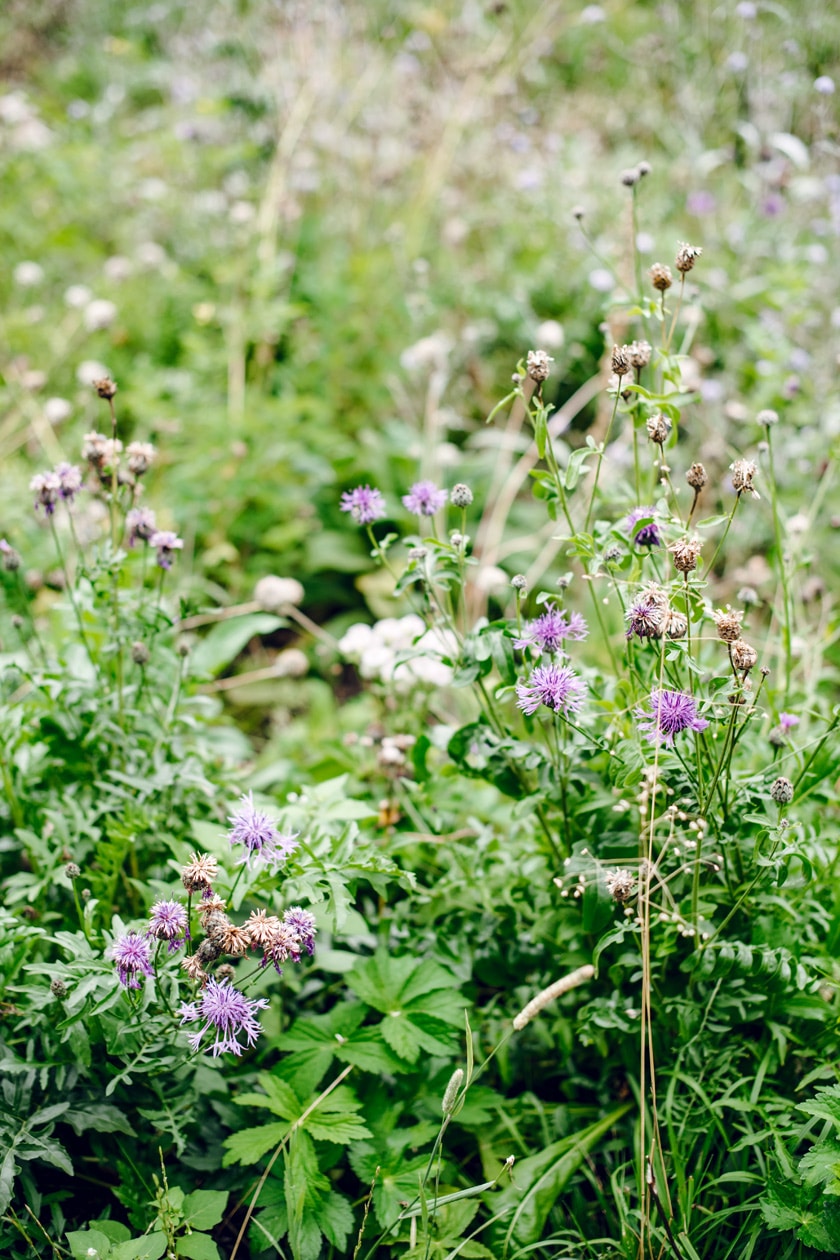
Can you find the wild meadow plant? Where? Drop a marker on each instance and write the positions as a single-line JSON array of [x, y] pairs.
[[661, 758]]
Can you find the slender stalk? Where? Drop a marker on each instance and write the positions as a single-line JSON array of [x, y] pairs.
[[600, 460], [69, 588], [711, 563], [783, 573]]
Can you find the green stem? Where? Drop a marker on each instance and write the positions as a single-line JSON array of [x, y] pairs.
[[816, 751], [601, 450], [786, 602], [711, 563], [72, 597]]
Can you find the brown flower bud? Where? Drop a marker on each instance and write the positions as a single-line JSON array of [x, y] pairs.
[[744, 657], [728, 624], [639, 353], [105, 388], [538, 365], [620, 361], [685, 552], [697, 476], [743, 471], [661, 277], [658, 429], [687, 255]]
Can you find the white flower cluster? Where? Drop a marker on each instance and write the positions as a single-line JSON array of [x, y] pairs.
[[377, 650]]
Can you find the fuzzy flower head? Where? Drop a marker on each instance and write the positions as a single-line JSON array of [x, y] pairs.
[[131, 955], [141, 456], [168, 922], [47, 490], [70, 481], [285, 943], [303, 922], [225, 1013], [256, 833], [424, 498], [648, 535], [743, 471], [140, 523], [167, 543], [550, 630], [365, 504], [199, 872], [669, 713], [647, 617], [555, 686]]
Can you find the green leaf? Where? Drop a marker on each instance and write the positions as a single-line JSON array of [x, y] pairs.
[[150, 1247], [249, 1145], [225, 641], [401, 1036], [340, 1129], [279, 1098], [197, 1247], [821, 1163], [205, 1208], [82, 1240], [335, 1217]]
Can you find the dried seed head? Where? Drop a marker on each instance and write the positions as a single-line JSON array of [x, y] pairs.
[[199, 872], [767, 417], [687, 256], [621, 883], [728, 624], [72, 871], [743, 471], [748, 595], [685, 552], [105, 388], [210, 904], [630, 177], [639, 353], [676, 625], [461, 496], [225, 972], [451, 1092], [519, 582], [139, 653], [697, 476], [658, 429], [578, 213], [234, 940], [194, 968], [660, 277], [11, 559], [538, 365], [216, 926], [620, 360], [777, 737], [782, 791], [141, 456], [744, 657], [613, 554]]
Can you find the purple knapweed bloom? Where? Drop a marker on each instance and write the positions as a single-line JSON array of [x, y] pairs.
[[424, 498], [648, 535], [168, 922], [70, 481], [550, 630], [131, 954], [788, 720], [365, 504], [646, 617], [303, 922], [167, 543], [254, 830], [47, 489], [140, 523], [555, 686], [669, 713], [228, 1013]]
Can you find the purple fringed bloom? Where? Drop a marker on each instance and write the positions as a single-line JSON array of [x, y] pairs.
[[303, 922], [140, 523], [285, 943], [70, 481], [788, 720], [648, 535], [131, 954], [424, 498], [254, 830], [167, 543], [168, 922], [669, 713], [549, 631], [47, 489], [365, 504], [646, 617], [555, 686], [226, 1011]]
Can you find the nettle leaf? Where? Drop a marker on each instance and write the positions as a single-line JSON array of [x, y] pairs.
[[821, 1164], [197, 1247], [249, 1145], [380, 980], [279, 1098], [826, 1103], [205, 1208]]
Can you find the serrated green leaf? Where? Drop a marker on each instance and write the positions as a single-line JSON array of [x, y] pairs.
[[340, 1129], [249, 1145], [401, 1036]]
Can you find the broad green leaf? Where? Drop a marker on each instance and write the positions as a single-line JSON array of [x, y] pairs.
[[197, 1247], [335, 1217], [249, 1145], [279, 1098], [401, 1036], [226, 640], [81, 1242], [340, 1129], [150, 1247], [205, 1208]]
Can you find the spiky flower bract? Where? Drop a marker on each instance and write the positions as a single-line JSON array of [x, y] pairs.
[[669, 713]]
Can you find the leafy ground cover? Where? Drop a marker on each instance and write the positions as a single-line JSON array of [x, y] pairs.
[[469, 888]]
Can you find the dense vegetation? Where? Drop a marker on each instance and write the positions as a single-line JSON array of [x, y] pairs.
[[418, 630]]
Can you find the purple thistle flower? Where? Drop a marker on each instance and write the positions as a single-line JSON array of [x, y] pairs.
[[303, 922], [285, 943], [47, 488], [254, 830], [788, 720], [424, 498], [365, 504], [168, 922], [551, 629], [555, 686], [669, 713], [70, 481], [131, 954], [167, 543], [648, 535], [646, 617], [140, 523], [226, 1011]]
